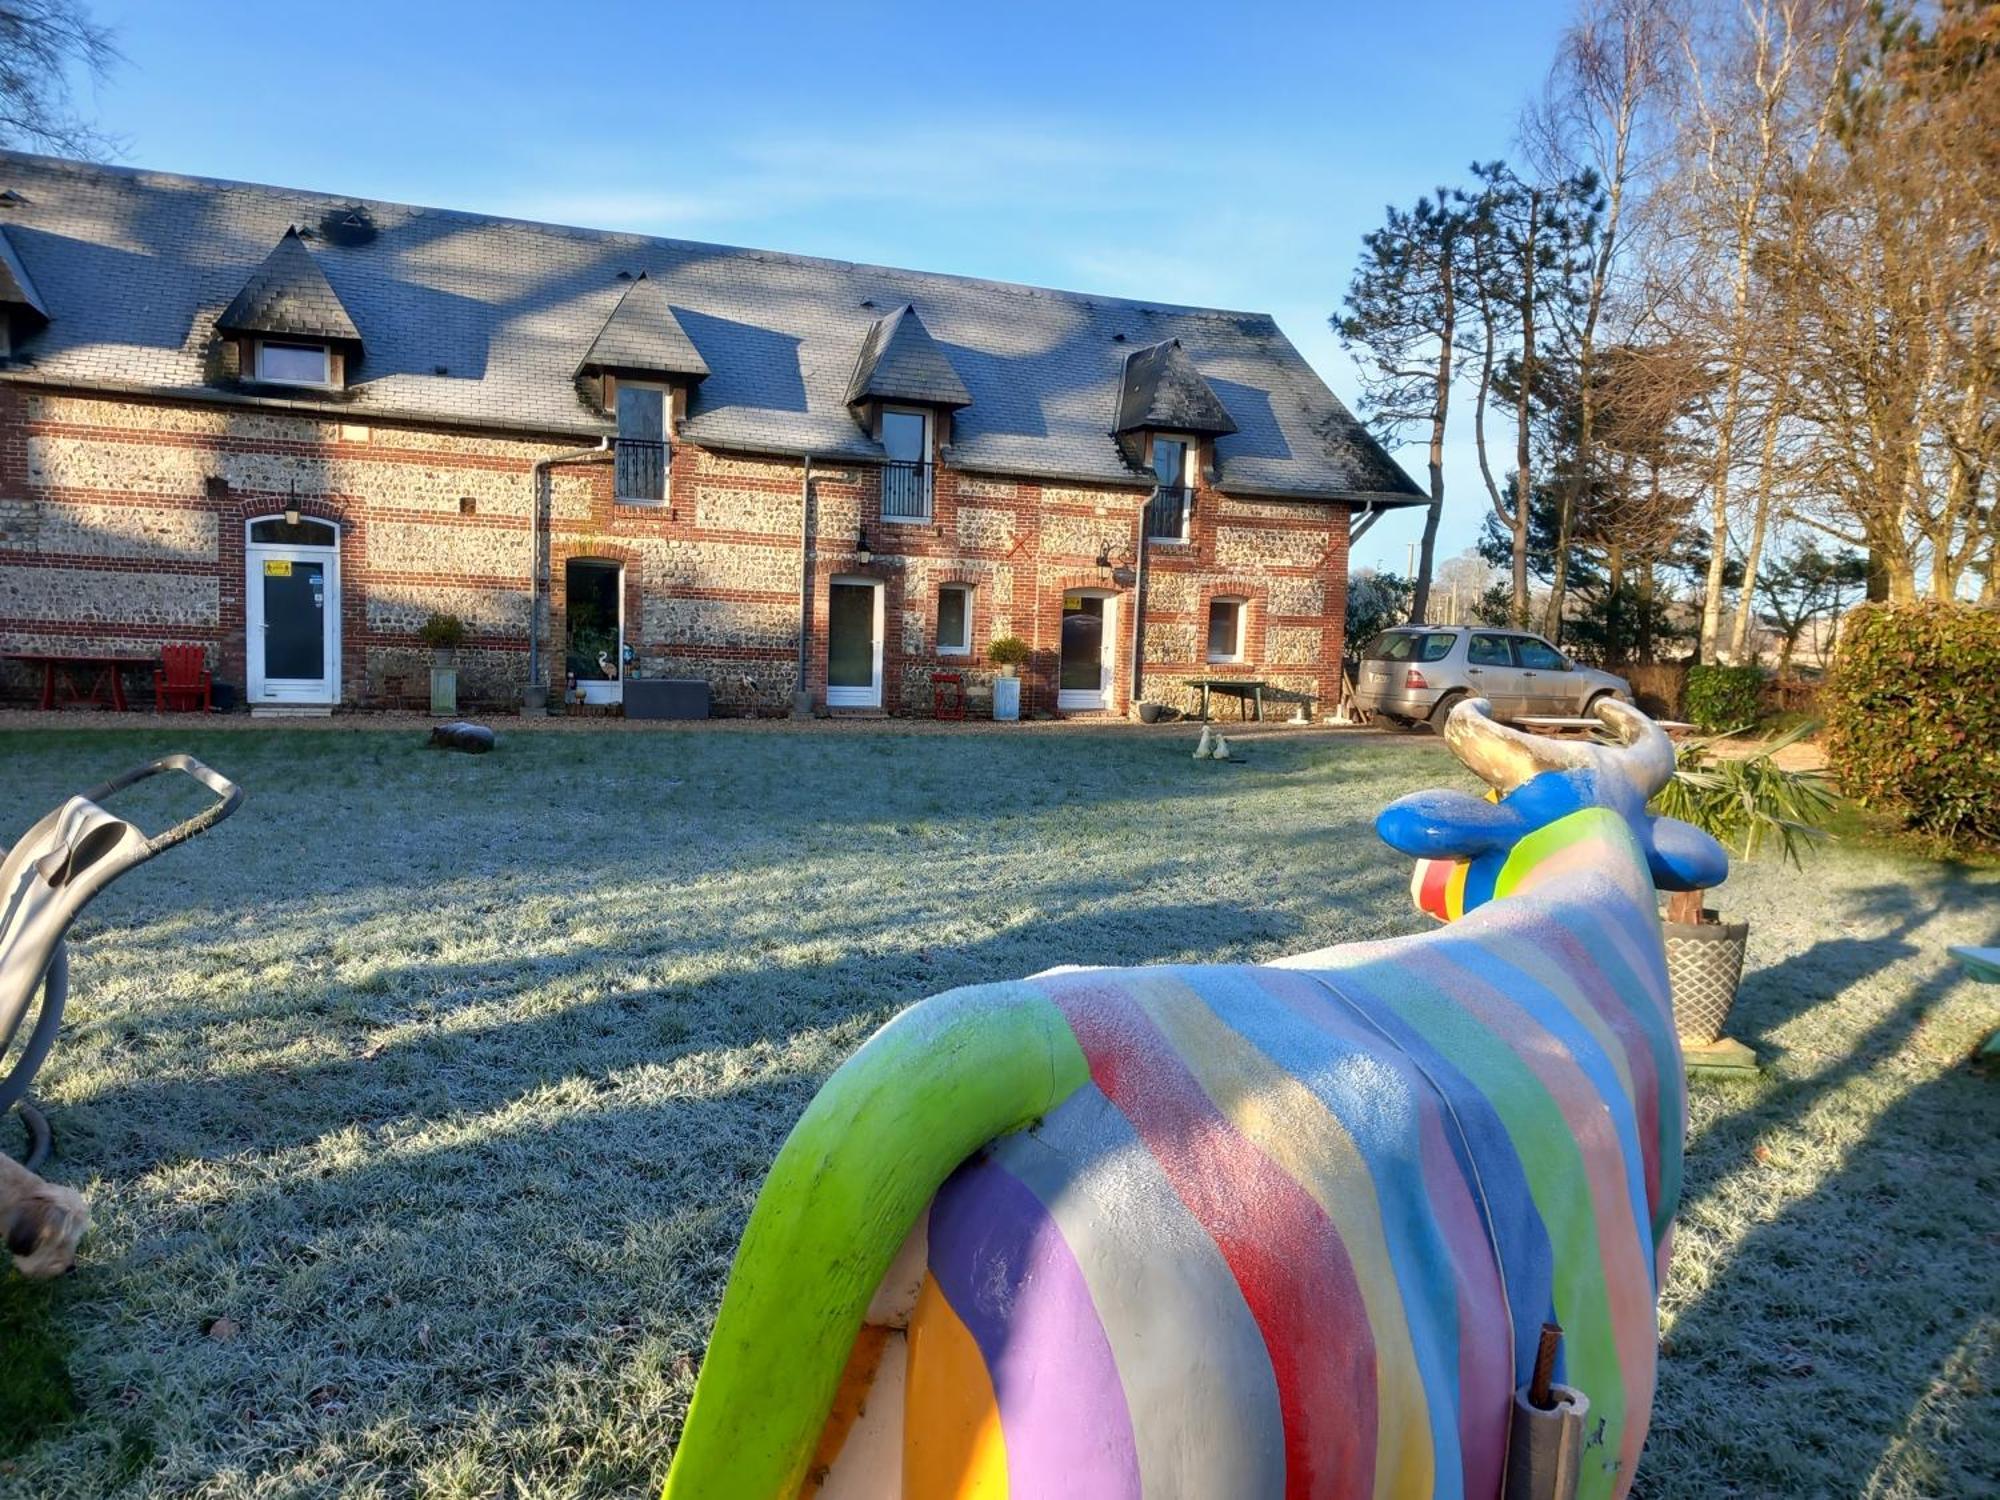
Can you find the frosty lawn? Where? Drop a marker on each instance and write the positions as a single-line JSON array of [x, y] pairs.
[[421, 1103]]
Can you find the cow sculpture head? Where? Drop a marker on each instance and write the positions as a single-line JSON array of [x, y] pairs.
[[1462, 843]]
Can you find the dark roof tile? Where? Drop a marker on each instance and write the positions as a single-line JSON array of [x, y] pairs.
[[289, 295], [642, 336], [900, 361]]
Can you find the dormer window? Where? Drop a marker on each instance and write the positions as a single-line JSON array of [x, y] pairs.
[[294, 364], [289, 325], [1170, 512], [642, 443], [906, 475]]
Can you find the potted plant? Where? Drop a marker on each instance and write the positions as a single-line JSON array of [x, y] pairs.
[[1008, 653], [1743, 802], [444, 634]]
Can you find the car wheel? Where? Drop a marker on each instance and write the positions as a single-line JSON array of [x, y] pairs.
[[1590, 708], [1443, 708]]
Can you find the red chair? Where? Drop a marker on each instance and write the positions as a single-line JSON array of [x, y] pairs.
[[182, 679], [947, 695]]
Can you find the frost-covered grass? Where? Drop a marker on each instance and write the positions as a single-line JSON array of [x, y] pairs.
[[445, 1084]]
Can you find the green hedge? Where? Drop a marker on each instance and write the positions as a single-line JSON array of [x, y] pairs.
[[1913, 716], [1724, 698]]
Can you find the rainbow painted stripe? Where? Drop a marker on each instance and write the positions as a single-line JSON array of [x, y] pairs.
[[1280, 1231]]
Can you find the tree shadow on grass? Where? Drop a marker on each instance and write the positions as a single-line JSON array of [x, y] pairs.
[[1853, 1316]]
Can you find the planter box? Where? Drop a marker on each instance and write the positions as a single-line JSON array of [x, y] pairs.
[[666, 697]]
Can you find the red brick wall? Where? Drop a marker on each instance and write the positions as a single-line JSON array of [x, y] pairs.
[[122, 527]]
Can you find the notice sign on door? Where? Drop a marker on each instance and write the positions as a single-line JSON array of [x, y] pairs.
[[277, 567]]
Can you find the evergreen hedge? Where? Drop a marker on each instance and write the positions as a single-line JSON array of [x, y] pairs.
[[1913, 716], [1721, 699]]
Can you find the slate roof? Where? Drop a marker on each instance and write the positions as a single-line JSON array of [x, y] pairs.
[[17, 288], [289, 295], [478, 321], [900, 361], [1164, 391], [643, 336]]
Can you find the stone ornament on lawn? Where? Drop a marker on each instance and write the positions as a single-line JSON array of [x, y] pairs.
[[1247, 1231]]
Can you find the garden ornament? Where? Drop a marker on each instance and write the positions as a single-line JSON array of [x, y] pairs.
[[1248, 1230], [1206, 747], [45, 880], [473, 739]]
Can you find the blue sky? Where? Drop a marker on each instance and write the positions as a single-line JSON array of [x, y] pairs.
[[1227, 155]]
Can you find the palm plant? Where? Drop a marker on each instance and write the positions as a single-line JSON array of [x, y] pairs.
[[1745, 801]]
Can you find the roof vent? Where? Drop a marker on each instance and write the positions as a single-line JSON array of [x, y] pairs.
[[349, 227], [1117, 338], [867, 301], [440, 369], [624, 275], [11, 199]]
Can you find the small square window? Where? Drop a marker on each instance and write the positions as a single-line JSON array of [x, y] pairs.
[[954, 627], [294, 364], [1225, 630]]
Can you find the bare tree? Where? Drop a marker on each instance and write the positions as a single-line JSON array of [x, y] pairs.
[[42, 44], [1593, 120]]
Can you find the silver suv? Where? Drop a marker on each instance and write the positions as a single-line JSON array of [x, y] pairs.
[[1420, 671]]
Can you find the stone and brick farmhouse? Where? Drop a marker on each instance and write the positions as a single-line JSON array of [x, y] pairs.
[[291, 427]]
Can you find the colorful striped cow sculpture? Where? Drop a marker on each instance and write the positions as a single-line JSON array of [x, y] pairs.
[[1244, 1231]]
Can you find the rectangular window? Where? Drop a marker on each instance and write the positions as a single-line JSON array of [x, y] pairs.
[[954, 628], [1168, 513], [294, 364], [642, 444], [1489, 651], [906, 477], [1225, 630]]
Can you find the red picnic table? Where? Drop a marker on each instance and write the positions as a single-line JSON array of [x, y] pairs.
[[92, 677]]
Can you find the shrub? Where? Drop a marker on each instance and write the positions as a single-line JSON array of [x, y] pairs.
[[1742, 801], [1008, 651], [442, 632], [1913, 714], [1724, 699]]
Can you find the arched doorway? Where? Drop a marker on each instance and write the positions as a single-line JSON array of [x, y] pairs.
[[291, 612], [594, 627]]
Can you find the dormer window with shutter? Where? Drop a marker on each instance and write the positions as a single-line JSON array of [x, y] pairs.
[[1166, 413], [903, 390], [290, 325], [643, 366]]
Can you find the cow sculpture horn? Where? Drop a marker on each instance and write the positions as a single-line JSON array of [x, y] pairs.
[[1504, 758]]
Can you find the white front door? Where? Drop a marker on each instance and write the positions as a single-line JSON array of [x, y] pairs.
[[1089, 650], [854, 644], [291, 602]]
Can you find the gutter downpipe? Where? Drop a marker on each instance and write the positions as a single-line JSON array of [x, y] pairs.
[[801, 695], [1370, 514], [1139, 604], [536, 474]]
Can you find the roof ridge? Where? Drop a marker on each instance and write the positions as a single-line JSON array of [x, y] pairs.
[[790, 257]]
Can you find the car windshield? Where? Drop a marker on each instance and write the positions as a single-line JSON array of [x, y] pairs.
[[1409, 645]]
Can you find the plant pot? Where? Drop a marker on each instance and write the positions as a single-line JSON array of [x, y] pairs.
[[1704, 967], [1149, 713], [1007, 698], [534, 700]]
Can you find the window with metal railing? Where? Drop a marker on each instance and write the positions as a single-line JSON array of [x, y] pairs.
[[906, 492], [642, 471], [1168, 512]]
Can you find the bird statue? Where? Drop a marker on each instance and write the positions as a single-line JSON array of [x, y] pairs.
[[1207, 745]]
